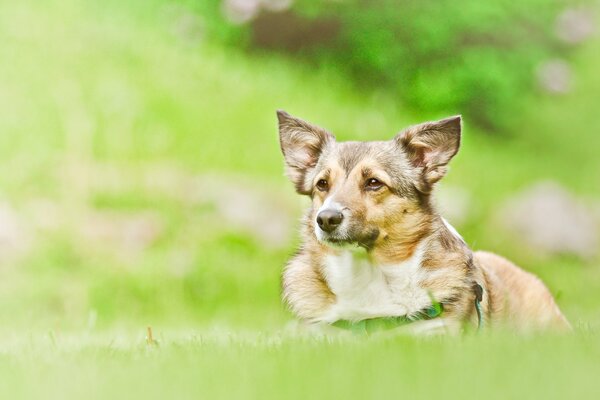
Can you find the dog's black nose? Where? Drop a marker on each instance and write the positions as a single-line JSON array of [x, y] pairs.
[[328, 220]]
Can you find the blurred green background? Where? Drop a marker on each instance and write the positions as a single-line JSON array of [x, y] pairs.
[[142, 182]]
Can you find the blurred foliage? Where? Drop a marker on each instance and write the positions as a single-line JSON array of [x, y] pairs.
[[444, 56], [117, 114]]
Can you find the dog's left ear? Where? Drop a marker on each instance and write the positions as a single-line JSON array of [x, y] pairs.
[[301, 144], [430, 147]]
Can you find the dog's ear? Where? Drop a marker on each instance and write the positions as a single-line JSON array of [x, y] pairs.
[[430, 147], [301, 144]]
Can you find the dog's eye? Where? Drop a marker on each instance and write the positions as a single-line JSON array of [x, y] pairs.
[[373, 184], [322, 185]]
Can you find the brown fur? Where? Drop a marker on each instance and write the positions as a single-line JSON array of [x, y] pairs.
[[392, 220]]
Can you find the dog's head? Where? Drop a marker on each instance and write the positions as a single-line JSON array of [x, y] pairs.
[[364, 193]]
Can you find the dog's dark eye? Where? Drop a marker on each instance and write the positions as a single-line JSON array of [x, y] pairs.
[[322, 185], [373, 184]]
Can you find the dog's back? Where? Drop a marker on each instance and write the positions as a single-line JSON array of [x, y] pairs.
[[518, 297]]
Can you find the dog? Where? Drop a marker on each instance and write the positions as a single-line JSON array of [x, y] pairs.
[[375, 252]]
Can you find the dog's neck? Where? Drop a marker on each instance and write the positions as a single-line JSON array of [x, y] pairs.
[[401, 242], [392, 280]]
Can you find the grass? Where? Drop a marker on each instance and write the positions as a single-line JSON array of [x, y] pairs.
[[272, 365], [116, 126]]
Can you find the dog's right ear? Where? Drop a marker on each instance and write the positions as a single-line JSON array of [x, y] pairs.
[[301, 144]]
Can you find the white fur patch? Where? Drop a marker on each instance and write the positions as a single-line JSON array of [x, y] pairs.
[[452, 229], [366, 291]]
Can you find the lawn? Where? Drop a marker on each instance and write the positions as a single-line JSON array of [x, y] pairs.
[[271, 365], [125, 134]]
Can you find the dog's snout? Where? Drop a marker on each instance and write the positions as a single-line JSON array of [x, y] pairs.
[[328, 220]]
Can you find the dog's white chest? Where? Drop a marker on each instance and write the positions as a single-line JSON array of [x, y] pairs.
[[366, 291]]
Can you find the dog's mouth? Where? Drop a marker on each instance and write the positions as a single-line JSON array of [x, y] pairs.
[[335, 242], [366, 240]]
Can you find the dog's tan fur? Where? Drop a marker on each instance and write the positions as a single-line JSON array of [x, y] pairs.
[[398, 227]]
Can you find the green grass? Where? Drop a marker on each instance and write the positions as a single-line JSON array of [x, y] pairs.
[[112, 119], [271, 365]]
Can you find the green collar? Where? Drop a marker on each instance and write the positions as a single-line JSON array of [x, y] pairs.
[[367, 326]]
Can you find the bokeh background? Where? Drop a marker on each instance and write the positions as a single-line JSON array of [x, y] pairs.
[[141, 179]]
